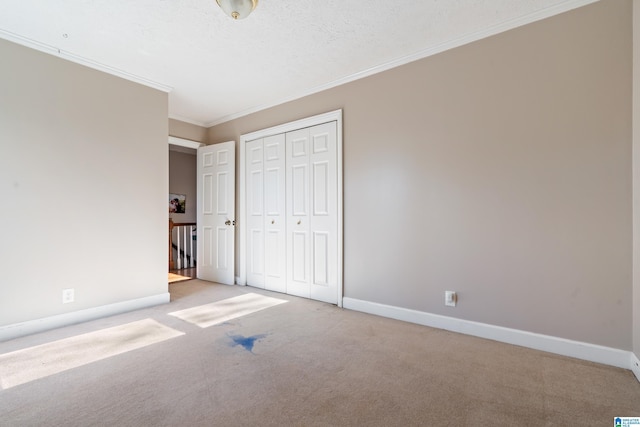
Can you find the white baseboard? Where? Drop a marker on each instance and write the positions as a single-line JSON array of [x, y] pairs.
[[34, 326], [565, 347], [635, 365]]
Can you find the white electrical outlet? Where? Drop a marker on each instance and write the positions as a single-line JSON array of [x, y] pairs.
[[67, 296], [450, 298]]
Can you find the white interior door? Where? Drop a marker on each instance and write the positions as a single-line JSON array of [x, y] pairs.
[[216, 212]]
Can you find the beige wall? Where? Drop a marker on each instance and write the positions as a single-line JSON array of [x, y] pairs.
[[501, 170], [185, 130], [182, 180], [83, 176]]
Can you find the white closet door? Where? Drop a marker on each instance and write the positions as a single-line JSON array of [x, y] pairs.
[[255, 213], [298, 245], [312, 213], [324, 212], [274, 204]]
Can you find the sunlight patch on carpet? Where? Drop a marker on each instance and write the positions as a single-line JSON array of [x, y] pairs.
[[173, 278], [29, 364], [225, 310]]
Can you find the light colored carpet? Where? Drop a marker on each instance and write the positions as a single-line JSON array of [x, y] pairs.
[[307, 363], [225, 310], [32, 363]]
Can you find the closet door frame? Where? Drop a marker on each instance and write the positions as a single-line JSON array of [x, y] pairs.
[[242, 204]]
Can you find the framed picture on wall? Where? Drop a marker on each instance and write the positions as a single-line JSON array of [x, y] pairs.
[[177, 203]]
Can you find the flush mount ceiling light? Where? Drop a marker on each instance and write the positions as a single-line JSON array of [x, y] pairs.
[[237, 9]]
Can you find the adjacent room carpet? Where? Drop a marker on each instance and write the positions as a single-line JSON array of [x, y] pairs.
[[304, 363], [173, 278]]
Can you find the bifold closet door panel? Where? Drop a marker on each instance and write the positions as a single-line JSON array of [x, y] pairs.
[[312, 213], [297, 202], [275, 261], [323, 220], [255, 213]]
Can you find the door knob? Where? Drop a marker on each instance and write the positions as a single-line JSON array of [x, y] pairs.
[[299, 221], [227, 222], [273, 221]]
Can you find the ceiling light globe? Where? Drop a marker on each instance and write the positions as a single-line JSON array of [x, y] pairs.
[[237, 9]]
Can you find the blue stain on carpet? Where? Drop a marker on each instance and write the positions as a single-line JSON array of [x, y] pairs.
[[246, 342]]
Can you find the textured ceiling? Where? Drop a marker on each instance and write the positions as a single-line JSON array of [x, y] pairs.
[[216, 69]]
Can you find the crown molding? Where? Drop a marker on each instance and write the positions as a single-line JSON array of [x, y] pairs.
[[55, 51], [188, 120]]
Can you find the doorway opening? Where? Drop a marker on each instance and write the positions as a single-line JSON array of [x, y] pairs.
[[182, 238]]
